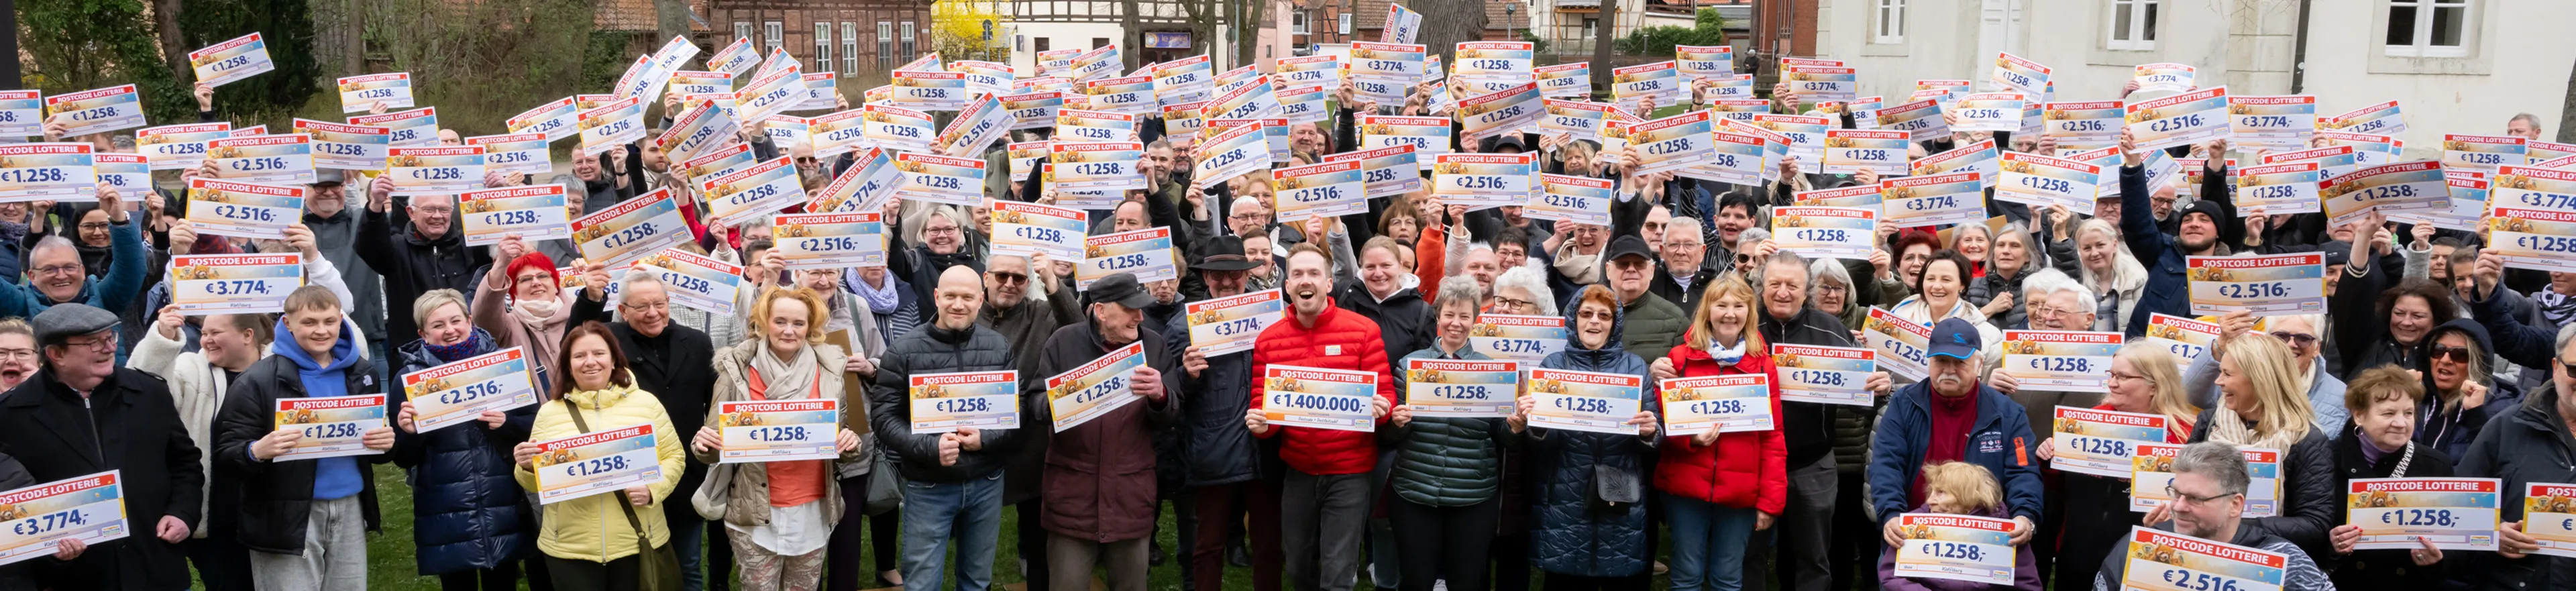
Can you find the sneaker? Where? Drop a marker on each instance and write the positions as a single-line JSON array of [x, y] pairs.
[[1440, 585]]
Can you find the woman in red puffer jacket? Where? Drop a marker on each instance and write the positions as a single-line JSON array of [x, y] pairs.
[[1720, 488]]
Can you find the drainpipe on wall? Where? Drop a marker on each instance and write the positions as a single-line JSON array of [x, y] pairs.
[[2299, 52]]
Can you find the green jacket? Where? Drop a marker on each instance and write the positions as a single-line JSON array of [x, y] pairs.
[[1654, 326], [1447, 461]]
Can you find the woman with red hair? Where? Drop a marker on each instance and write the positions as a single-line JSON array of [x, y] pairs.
[[537, 307]]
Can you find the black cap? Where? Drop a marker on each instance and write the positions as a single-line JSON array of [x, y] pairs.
[[1496, 143], [1121, 289], [1626, 245], [64, 321], [2337, 252], [1225, 253]]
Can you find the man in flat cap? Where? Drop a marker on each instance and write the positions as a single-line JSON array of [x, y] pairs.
[[1098, 506], [81, 415]]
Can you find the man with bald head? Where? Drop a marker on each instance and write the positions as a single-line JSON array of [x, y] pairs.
[[955, 484]]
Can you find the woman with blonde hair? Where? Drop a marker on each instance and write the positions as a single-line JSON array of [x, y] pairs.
[[1719, 488], [2263, 405], [1961, 488], [778, 514], [2144, 380]]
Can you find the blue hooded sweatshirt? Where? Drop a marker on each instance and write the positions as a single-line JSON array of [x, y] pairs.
[[332, 477]]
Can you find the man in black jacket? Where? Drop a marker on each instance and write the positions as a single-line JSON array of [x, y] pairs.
[[670, 361], [1684, 272], [427, 253], [954, 479], [305, 517], [1807, 428], [1221, 461], [83, 414]]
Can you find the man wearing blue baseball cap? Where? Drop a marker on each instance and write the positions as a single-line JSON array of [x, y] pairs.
[[1951, 417]]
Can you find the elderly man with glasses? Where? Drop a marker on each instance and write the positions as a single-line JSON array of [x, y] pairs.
[[122, 419], [2208, 492], [56, 275]]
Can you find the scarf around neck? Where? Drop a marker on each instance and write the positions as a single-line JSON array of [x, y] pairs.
[[462, 349], [2227, 427], [539, 315], [785, 379], [880, 300]]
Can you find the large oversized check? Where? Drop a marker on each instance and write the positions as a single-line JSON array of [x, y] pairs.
[[631, 229], [2166, 561], [755, 191], [1585, 401], [177, 147], [2036, 180], [945, 402], [2102, 442], [248, 210], [1461, 388], [2382, 119], [2186, 118], [346, 147], [1338, 400], [88, 509], [2278, 189], [2163, 77], [2083, 125], [439, 170], [1901, 344], [2548, 516], [1230, 324], [1385, 171], [830, 240], [1722, 403], [2266, 285], [2186, 338], [607, 460], [1024, 229], [97, 111], [49, 172], [1147, 253], [417, 127], [940, 179], [1956, 547], [2060, 360], [459, 392], [1933, 200], [1521, 338], [232, 60], [695, 280], [234, 283], [2152, 472], [2453, 513], [1318, 190], [1824, 375], [2272, 122], [333, 426], [533, 212], [1486, 179], [779, 430], [285, 159], [365, 92], [1105, 384], [1825, 232]]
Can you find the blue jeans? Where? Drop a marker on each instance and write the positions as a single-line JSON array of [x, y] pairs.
[[933, 514], [686, 533], [1708, 543]]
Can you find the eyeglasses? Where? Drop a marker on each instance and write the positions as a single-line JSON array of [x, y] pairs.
[[106, 343], [647, 306], [94, 227], [1518, 304], [939, 230], [1830, 288], [65, 269], [2194, 499], [17, 353], [2117, 376], [2295, 339], [2455, 354], [1000, 277]]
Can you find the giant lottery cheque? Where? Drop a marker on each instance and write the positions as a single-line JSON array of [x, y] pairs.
[[2165, 561], [946, 402], [1978, 158], [125, 172], [1333, 399], [830, 240], [2278, 188], [2548, 516], [1021, 228], [1956, 547], [2035, 180], [2272, 122], [2083, 125], [48, 172], [2060, 360], [1105, 384], [1385, 171], [518, 153], [439, 169], [1147, 253], [631, 229], [87, 509], [610, 126], [2467, 211], [1522, 338], [1429, 136], [753, 191], [1672, 143], [98, 111], [1231, 324], [1573, 199], [416, 127], [2187, 118], [1721, 403], [1824, 375], [695, 280], [2102, 442], [359, 94], [1825, 232], [605, 460], [346, 147], [2276, 285], [1585, 401], [177, 147], [461, 391], [248, 210], [282, 159], [22, 113], [779, 430], [2454, 513], [1933, 200], [333, 426], [940, 179], [233, 283], [1461, 387], [2186, 338], [554, 119], [2151, 470], [1901, 344], [1318, 190], [533, 212], [1486, 179], [232, 60], [1853, 150]]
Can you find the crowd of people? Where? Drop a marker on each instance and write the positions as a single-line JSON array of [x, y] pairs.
[[2436, 360]]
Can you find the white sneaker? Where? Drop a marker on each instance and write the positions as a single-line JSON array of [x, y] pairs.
[[1440, 585]]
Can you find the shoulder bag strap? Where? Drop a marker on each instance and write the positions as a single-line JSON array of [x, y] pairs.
[[642, 542]]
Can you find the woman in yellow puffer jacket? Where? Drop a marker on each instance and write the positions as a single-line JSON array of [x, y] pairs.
[[589, 544]]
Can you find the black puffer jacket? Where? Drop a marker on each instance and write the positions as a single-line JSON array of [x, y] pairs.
[[468, 513], [1447, 461], [1983, 290], [932, 350], [2391, 570], [2307, 490], [1215, 448], [1403, 320], [2529, 444], [412, 265]]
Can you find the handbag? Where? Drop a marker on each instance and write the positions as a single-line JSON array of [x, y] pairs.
[[885, 486], [1613, 487], [657, 567]]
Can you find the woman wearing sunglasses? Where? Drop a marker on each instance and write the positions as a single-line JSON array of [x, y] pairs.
[[2300, 332], [2460, 390]]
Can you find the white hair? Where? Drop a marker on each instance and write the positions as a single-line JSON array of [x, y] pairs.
[[2048, 282], [1528, 278]]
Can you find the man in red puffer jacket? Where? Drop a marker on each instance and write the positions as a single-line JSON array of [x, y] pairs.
[[1325, 500]]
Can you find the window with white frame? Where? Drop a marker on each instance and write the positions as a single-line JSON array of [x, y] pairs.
[[908, 46], [1890, 27], [773, 35], [885, 44], [2133, 24], [1297, 22], [742, 29], [822, 45], [2428, 28], [849, 47]]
